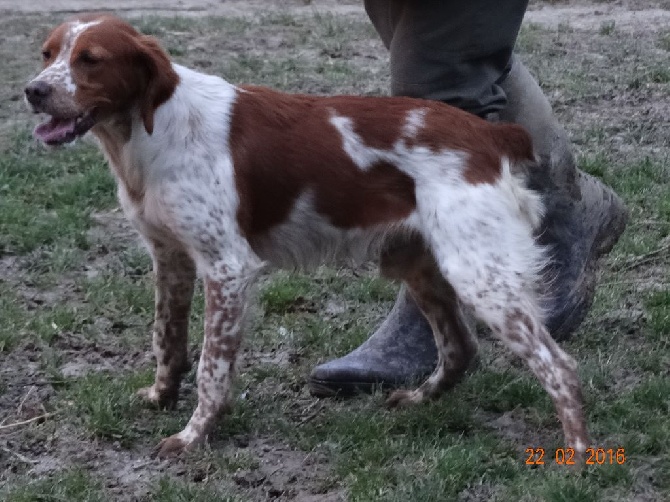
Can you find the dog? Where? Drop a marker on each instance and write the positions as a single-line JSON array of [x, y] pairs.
[[221, 180]]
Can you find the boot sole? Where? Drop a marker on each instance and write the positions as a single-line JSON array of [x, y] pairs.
[[330, 389]]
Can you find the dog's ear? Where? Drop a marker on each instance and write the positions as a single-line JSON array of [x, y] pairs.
[[161, 79]]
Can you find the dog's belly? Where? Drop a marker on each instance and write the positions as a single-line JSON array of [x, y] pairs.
[[315, 242], [307, 239]]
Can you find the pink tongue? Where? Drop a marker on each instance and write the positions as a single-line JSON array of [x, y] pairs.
[[55, 130]]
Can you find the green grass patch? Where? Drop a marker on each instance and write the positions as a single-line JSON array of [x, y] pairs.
[[607, 28], [70, 485], [506, 390], [658, 306], [664, 41], [47, 196], [111, 293], [14, 318], [107, 405], [285, 292]]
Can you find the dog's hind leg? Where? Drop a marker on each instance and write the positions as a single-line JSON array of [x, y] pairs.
[[486, 251], [437, 300]]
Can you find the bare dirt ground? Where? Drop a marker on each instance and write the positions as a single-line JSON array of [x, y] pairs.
[[281, 469]]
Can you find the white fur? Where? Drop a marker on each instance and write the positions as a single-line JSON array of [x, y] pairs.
[[187, 172], [363, 156], [469, 228], [307, 239], [414, 122], [59, 73]]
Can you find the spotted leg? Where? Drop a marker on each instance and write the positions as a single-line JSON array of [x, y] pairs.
[[226, 299], [513, 315], [437, 300], [525, 334], [175, 275], [495, 271]]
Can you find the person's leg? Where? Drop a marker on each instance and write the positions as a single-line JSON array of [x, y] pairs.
[[576, 241], [448, 50], [402, 350]]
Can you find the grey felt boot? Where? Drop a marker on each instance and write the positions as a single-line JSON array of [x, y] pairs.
[[584, 220]]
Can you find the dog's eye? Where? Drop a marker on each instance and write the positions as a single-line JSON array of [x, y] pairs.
[[46, 55], [88, 58]]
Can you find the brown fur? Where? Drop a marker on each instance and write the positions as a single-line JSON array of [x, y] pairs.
[[263, 143], [120, 65]]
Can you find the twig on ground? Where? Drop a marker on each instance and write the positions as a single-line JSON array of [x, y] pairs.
[[635, 282], [654, 222], [25, 422]]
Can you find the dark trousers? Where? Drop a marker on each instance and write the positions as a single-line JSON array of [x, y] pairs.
[[455, 51]]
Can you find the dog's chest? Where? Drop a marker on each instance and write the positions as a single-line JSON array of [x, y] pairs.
[[144, 213], [141, 199]]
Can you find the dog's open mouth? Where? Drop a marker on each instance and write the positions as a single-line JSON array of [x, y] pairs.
[[58, 131]]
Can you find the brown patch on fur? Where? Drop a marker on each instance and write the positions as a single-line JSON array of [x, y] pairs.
[[222, 338], [379, 124], [453, 338], [115, 67], [175, 276], [380, 121], [483, 142], [162, 80], [53, 44], [284, 145]]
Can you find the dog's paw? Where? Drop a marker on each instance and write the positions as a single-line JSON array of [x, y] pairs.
[[403, 398], [162, 399], [171, 447]]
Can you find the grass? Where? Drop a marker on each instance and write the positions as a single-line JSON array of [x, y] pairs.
[[47, 201], [103, 402], [75, 291], [658, 306], [74, 484], [14, 318], [607, 28]]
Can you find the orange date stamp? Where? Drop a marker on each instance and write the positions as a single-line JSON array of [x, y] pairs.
[[566, 456]]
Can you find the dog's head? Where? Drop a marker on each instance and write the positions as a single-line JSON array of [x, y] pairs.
[[95, 67]]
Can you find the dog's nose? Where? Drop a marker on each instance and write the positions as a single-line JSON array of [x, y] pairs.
[[37, 91]]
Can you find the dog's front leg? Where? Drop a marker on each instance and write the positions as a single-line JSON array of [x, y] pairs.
[[226, 301], [175, 277]]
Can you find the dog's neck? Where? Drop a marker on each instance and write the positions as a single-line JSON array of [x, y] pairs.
[[193, 121]]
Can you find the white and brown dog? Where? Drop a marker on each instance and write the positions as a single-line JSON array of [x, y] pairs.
[[221, 179]]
